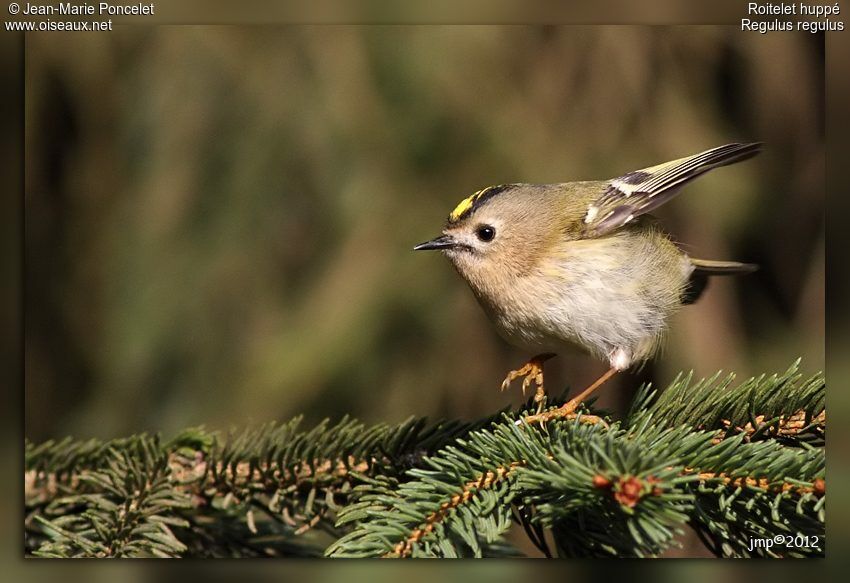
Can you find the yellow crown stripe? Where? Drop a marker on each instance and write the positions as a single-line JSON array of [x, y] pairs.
[[466, 204], [462, 207]]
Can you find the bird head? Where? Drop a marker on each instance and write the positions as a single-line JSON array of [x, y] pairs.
[[496, 234]]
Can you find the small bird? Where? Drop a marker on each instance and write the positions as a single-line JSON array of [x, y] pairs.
[[581, 264]]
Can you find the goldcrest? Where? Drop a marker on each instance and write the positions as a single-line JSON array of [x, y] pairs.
[[581, 264]]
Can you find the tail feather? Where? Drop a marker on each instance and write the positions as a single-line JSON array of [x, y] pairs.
[[711, 267], [703, 268]]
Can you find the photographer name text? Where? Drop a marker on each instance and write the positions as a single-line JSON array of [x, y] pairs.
[[99, 9]]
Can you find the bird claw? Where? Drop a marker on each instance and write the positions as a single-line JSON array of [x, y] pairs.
[[533, 376], [527, 370], [531, 372], [561, 413], [568, 409], [564, 411]]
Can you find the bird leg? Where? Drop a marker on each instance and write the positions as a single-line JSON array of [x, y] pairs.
[[568, 409], [532, 371]]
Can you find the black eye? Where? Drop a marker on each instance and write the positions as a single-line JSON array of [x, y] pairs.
[[486, 233]]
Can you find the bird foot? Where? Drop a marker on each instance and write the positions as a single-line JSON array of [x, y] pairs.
[[530, 372], [566, 411]]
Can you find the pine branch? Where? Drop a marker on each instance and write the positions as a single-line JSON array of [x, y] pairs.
[[125, 514], [784, 407], [293, 479], [733, 463], [428, 509]]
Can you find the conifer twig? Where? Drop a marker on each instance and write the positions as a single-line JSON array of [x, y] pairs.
[[732, 462]]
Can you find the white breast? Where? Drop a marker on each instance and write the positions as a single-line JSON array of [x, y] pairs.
[[599, 295]]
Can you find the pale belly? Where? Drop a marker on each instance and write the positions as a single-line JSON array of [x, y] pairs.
[[590, 301]]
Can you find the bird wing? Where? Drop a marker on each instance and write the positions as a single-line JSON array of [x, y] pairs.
[[639, 192]]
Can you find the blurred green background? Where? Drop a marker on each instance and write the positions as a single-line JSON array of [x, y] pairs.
[[219, 220]]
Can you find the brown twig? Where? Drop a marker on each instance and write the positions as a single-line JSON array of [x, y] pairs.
[[818, 487], [486, 480], [790, 426], [193, 475]]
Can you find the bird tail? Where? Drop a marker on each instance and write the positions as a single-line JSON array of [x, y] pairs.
[[703, 268], [711, 267]]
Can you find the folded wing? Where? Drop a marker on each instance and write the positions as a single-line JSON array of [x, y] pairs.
[[639, 192]]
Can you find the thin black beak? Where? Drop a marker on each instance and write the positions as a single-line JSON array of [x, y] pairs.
[[441, 242]]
